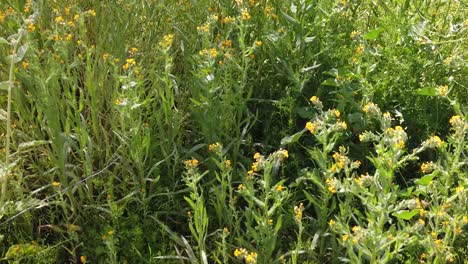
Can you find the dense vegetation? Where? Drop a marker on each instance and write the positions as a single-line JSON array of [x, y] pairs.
[[260, 131]]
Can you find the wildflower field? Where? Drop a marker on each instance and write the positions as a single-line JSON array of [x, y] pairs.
[[233, 131]]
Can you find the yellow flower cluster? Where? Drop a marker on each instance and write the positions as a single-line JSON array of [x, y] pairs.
[[433, 142], [442, 90], [129, 63], [311, 127], [211, 52], [298, 212], [249, 257], [245, 14], [427, 167], [191, 163], [331, 183], [204, 28], [214, 147]]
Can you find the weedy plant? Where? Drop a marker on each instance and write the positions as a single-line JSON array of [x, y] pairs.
[[109, 113]]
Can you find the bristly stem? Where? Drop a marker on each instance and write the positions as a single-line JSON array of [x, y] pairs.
[[7, 147]]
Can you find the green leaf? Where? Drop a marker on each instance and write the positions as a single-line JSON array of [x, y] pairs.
[[292, 139], [428, 91], [4, 85], [373, 34], [331, 82], [3, 41], [424, 181], [405, 214]]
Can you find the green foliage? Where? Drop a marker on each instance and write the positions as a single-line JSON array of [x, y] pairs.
[[127, 131]]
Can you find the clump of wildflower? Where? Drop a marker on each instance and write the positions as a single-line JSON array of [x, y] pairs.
[[168, 39], [354, 34], [456, 122], [91, 12], [433, 142], [371, 109], [129, 63], [240, 252], [227, 20], [211, 52], [442, 90], [427, 167], [279, 188], [364, 180], [214, 147], [282, 154], [341, 160], [191, 163], [316, 102], [251, 258], [298, 212], [311, 127], [245, 14], [367, 136], [331, 185], [360, 49], [204, 28], [59, 19], [31, 27]]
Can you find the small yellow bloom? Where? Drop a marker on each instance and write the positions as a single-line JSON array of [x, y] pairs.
[[331, 223], [56, 184], [31, 27], [251, 258], [345, 237], [279, 188], [59, 19], [83, 259], [245, 14], [257, 156], [258, 43], [240, 187], [192, 163], [310, 126], [110, 233], [442, 90], [298, 211], [459, 189], [105, 56], [69, 37], [92, 12], [227, 163]]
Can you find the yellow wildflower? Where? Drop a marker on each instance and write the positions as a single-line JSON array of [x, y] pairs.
[[245, 14], [310, 126], [258, 43], [279, 188], [83, 259], [298, 211], [191, 163], [442, 90], [251, 258], [59, 19], [56, 184]]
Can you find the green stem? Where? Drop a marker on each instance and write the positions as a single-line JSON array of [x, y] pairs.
[[8, 135]]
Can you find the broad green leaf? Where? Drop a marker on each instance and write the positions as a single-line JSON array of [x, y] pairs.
[[292, 139], [426, 179], [3, 41], [405, 214], [428, 91], [4, 85], [331, 82], [373, 34], [21, 52]]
